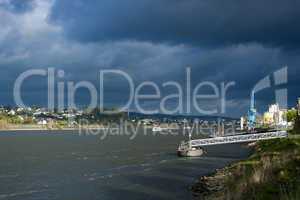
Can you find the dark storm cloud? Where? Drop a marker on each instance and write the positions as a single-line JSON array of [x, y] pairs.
[[18, 6], [151, 41], [196, 22]]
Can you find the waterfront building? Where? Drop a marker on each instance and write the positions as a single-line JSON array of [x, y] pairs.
[[242, 123], [42, 122], [275, 116], [259, 120], [268, 118], [12, 112]]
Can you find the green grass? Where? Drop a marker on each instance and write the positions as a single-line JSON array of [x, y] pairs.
[[278, 145], [272, 172]]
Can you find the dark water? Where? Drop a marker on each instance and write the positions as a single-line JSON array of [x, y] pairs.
[[66, 166]]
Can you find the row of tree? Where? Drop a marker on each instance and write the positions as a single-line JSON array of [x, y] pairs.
[[293, 116]]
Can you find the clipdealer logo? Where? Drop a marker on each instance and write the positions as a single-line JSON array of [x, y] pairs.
[[185, 93], [278, 80], [188, 98]]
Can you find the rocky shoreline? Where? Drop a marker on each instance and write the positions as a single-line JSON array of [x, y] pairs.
[[211, 186], [271, 172]]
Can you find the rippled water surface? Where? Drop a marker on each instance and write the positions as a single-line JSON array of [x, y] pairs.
[[66, 166]]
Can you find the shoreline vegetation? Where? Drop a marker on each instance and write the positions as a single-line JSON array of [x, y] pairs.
[[34, 127], [271, 172]]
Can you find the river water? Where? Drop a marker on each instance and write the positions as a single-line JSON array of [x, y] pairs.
[[67, 166]]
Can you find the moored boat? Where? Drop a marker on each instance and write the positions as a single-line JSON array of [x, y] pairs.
[[157, 129], [185, 150]]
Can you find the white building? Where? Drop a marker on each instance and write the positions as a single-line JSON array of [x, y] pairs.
[[275, 116], [42, 122], [12, 112], [242, 123], [20, 109]]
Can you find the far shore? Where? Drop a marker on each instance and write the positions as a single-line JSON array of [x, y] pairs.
[[40, 128]]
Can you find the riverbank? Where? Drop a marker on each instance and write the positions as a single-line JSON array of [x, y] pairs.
[[33, 127], [272, 172], [36, 127]]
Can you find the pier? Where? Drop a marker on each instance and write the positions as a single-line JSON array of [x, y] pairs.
[[238, 138]]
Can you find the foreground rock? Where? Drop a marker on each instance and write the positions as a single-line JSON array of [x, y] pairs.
[[210, 187]]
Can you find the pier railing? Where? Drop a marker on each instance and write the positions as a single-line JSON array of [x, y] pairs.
[[238, 138]]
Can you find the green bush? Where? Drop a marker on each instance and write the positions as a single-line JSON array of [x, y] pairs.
[[296, 129], [277, 145], [291, 115]]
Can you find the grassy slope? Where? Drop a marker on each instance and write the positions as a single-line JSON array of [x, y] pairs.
[[272, 172]]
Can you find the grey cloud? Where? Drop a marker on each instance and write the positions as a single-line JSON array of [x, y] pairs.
[[17, 6], [194, 22], [150, 49]]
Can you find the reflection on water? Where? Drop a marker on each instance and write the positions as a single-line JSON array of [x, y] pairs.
[[63, 165]]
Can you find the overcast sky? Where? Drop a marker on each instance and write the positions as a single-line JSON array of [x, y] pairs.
[[151, 40]]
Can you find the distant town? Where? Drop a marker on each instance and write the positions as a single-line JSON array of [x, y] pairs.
[[40, 118]]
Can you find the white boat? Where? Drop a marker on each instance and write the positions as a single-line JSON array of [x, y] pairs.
[[186, 150], [187, 128], [157, 129]]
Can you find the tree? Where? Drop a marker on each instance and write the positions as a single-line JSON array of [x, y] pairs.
[[291, 115]]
